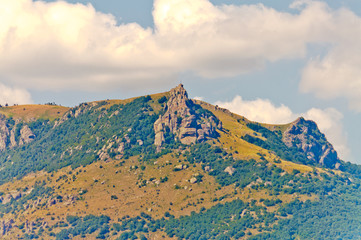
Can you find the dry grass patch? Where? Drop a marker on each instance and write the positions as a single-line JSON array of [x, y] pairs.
[[33, 112]]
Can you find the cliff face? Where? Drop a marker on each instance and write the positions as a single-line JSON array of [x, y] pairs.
[[305, 136], [14, 134], [4, 133], [187, 122]]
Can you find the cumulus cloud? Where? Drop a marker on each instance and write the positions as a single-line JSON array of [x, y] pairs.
[[12, 96], [260, 110], [337, 73], [328, 120], [59, 45]]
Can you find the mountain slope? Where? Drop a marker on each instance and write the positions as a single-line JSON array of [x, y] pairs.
[[166, 166]]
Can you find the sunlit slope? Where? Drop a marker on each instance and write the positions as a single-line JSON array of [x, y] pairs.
[[33, 112], [235, 127], [96, 173], [119, 188]]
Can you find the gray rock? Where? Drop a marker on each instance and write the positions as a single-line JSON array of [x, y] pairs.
[[6, 226], [17, 195], [193, 180], [7, 136], [182, 120], [26, 135], [178, 167], [121, 148], [230, 170], [307, 138], [7, 198]]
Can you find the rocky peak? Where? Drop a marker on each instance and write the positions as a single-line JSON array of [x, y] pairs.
[[306, 137], [184, 119]]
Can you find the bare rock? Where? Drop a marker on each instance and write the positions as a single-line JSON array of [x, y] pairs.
[[230, 170], [6, 226], [178, 167], [183, 121], [103, 156], [307, 138], [9, 138], [121, 147], [26, 135], [193, 180], [52, 202], [12, 138], [7, 198], [4, 133], [17, 195]]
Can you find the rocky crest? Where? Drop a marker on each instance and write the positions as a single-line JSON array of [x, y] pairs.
[[14, 134], [305, 136], [184, 121]]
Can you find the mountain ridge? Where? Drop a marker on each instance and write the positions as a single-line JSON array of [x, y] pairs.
[[98, 165]]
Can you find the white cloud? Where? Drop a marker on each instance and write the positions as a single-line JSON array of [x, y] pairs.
[[260, 110], [59, 45], [13, 95], [328, 120], [337, 73], [198, 98]]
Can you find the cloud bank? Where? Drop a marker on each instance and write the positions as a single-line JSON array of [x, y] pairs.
[[60, 45], [11, 96], [328, 120]]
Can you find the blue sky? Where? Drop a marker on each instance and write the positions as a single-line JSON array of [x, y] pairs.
[[270, 60]]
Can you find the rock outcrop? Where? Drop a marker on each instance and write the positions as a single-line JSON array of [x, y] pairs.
[[4, 133], [306, 137], [187, 121], [14, 133], [26, 135], [6, 226]]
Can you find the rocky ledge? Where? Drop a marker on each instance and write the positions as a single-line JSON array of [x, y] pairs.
[[306, 137], [188, 122], [14, 133]]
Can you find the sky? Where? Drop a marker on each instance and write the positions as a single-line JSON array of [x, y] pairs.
[[268, 60]]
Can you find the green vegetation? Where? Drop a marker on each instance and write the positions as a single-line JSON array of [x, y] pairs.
[[87, 225], [80, 139], [274, 143], [38, 190], [99, 131]]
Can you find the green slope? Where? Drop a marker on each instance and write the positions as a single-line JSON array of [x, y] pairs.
[[95, 173]]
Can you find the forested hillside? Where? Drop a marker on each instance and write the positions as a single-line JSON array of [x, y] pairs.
[[165, 166]]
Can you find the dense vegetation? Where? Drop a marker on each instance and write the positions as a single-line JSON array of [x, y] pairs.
[[82, 136], [274, 143], [121, 131]]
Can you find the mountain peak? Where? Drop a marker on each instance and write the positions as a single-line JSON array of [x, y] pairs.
[[306, 136], [184, 120], [179, 91]]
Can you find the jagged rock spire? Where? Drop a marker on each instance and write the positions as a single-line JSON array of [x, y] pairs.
[[183, 121]]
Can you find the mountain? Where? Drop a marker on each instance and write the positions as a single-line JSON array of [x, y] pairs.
[[165, 166]]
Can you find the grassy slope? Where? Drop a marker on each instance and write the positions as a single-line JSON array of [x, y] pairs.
[[101, 180], [32, 112], [235, 127]]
